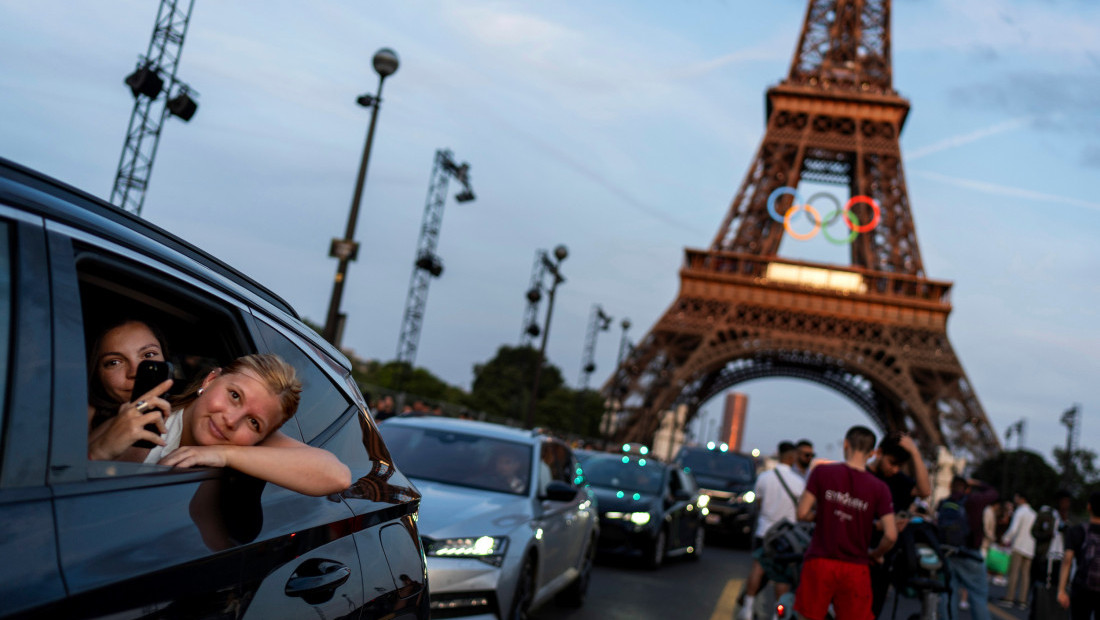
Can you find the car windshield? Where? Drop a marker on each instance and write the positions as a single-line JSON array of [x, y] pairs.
[[725, 465], [460, 458], [632, 475]]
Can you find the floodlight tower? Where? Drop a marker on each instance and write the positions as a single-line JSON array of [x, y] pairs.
[[598, 322], [530, 329], [427, 264], [147, 83]]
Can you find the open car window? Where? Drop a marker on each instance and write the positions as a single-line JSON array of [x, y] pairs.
[[200, 330]]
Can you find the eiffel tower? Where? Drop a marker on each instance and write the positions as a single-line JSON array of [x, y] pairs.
[[876, 330]]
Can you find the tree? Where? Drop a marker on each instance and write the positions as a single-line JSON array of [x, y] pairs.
[[1021, 471], [417, 381], [1078, 471], [502, 385]]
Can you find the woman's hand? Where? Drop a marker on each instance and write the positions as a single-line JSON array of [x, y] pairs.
[[196, 456], [109, 440]]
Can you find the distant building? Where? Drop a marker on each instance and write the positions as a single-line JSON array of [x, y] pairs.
[[734, 413]]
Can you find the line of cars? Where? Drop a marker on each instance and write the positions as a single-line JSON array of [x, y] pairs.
[[513, 518]]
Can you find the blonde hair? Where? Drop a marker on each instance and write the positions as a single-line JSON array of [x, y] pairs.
[[275, 373]]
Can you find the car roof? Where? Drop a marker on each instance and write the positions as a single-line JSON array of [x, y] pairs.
[[32, 190], [472, 427]]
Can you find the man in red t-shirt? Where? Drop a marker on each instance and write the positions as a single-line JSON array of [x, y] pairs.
[[843, 500]]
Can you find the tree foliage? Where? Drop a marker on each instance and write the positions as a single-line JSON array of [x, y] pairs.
[[502, 386], [1020, 471], [417, 381]]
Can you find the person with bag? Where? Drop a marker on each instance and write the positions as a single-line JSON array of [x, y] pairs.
[[777, 491], [1083, 546], [1018, 537], [959, 521], [1049, 548]]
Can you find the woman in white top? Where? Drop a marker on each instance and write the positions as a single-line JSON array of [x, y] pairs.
[[230, 419]]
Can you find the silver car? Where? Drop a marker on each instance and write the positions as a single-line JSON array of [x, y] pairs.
[[504, 522]]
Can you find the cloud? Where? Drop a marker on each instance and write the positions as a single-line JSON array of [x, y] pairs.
[[1005, 190], [967, 138]]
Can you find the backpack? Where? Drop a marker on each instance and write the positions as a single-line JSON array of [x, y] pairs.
[[954, 530], [1091, 554], [1046, 523]]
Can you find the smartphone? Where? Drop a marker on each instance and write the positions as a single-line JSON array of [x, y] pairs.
[[150, 374]]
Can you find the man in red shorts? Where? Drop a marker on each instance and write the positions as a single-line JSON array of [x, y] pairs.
[[843, 500]]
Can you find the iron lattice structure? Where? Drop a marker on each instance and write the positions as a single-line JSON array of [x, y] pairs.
[[135, 165], [598, 321], [744, 313], [427, 264], [531, 329]]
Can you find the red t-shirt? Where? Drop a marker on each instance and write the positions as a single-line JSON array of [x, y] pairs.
[[848, 502]]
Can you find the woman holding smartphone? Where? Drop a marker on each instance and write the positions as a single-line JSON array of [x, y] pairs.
[[230, 419]]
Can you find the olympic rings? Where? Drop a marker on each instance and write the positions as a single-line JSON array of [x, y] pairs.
[[787, 221], [850, 218]]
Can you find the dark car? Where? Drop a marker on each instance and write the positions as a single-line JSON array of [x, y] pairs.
[[116, 539], [728, 479], [646, 507]]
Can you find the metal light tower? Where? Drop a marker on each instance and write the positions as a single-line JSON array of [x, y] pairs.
[[428, 265], [531, 329], [597, 322], [345, 250], [147, 82], [560, 253], [1070, 419]]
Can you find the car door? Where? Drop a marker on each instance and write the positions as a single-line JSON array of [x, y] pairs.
[[383, 502], [675, 508], [29, 574], [139, 540]]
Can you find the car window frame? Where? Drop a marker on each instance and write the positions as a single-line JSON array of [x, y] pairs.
[[68, 462]]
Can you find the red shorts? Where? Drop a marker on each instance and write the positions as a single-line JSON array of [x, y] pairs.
[[844, 584]]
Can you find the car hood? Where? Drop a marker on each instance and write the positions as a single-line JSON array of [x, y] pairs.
[[717, 483], [607, 501], [450, 511]]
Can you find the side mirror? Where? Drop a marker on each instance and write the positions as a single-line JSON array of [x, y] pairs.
[[558, 491]]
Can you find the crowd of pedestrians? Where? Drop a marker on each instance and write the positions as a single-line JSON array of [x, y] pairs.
[[870, 510]]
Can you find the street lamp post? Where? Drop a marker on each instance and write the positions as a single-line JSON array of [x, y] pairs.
[[554, 268], [345, 250]]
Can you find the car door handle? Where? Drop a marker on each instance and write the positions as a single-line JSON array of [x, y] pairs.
[[315, 577]]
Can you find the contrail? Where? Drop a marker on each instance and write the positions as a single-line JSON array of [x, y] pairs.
[[1004, 190], [967, 138]]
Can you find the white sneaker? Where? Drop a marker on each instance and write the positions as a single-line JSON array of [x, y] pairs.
[[745, 613]]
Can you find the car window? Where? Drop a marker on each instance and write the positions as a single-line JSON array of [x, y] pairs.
[[725, 465], [624, 474], [5, 314], [199, 329], [556, 464], [462, 459], [322, 402]]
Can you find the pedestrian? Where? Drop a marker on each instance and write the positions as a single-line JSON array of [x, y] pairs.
[[1019, 539], [1050, 522], [1082, 544], [805, 458], [966, 566], [843, 500], [777, 491], [895, 451]]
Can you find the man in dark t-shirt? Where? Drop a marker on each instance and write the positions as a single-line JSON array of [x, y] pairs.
[[1082, 545], [843, 500], [895, 451]]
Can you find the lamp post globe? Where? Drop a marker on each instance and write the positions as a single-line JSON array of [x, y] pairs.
[[561, 252], [385, 62]]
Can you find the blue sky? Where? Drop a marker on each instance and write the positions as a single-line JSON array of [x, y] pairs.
[[620, 128]]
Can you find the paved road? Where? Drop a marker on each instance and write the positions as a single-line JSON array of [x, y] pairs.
[[706, 589]]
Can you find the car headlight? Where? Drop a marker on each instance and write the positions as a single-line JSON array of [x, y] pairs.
[[488, 549], [703, 501], [637, 518], [749, 497]]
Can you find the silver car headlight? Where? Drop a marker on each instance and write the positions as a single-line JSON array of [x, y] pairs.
[[489, 549]]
